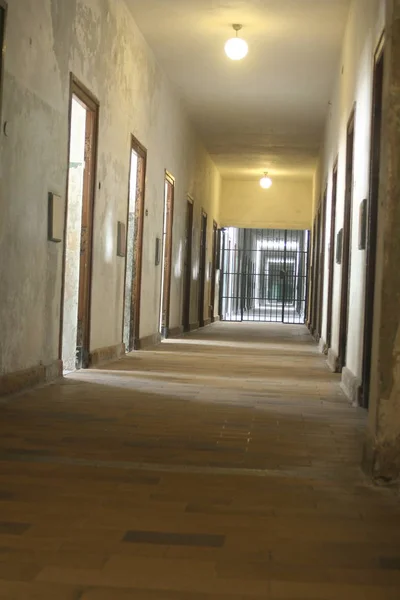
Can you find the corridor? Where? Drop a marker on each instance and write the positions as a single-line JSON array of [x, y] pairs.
[[221, 464]]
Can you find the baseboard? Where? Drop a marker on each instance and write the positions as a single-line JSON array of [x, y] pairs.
[[315, 335], [381, 461], [368, 457], [12, 383], [175, 331], [207, 322], [194, 326], [149, 342], [350, 384], [215, 319], [332, 361], [322, 346], [102, 355]]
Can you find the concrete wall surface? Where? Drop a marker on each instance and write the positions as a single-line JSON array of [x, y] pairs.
[[353, 88], [286, 205], [99, 42]]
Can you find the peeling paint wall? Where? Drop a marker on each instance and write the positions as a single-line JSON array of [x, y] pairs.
[[286, 205], [353, 87], [98, 41], [382, 446]]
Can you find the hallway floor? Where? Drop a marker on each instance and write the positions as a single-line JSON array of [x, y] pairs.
[[223, 464]]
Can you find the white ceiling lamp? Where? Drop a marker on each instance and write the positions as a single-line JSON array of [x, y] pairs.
[[266, 182], [236, 48]]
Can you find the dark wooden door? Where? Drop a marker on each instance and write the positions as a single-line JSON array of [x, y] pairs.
[[372, 228], [313, 276], [187, 266], [316, 277], [346, 254], [331, 262], [3, 19], [202, 267]]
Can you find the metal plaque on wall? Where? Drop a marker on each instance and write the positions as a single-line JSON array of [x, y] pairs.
[[121, 239], [339, 247], [362, 226], [158, 252]]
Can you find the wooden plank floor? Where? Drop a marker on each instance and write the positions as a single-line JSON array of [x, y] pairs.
[[223, 464]]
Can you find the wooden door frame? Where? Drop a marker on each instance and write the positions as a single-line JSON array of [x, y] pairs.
[[332, 240], [167, 266], [308, 277], [346, 246], [202, 268], [4, 7], [137, 262], [188, 274], [214, 269], [372, 229], [78, 89], [321, 270], [315, 290], [312, 274]]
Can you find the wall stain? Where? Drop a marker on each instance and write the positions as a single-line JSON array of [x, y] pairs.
[[63, 15]]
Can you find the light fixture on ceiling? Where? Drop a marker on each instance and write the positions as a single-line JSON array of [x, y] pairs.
[[236, 48], [266, 181]]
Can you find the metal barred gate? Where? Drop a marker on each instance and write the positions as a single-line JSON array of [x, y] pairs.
[[264, 275]]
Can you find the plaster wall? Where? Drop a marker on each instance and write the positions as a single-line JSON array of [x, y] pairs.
[[100, 43], [353, 87], [286, 205], [382, 445], [203, 184]]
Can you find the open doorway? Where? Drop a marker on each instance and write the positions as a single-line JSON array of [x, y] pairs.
[[372, 227], [346, 247], [331, 258], [202, 267], [187, 267], [75, 329], [169, 191], [133, 274]]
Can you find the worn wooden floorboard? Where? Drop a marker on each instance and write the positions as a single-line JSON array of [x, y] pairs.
[[223, 464]]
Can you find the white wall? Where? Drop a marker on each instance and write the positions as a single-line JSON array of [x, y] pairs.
[[99, 42], [353, 86], [286, 205]]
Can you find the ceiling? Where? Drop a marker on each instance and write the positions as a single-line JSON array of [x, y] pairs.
[[266, 112]]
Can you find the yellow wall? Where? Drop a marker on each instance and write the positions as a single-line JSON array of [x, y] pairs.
[[286, 205]]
